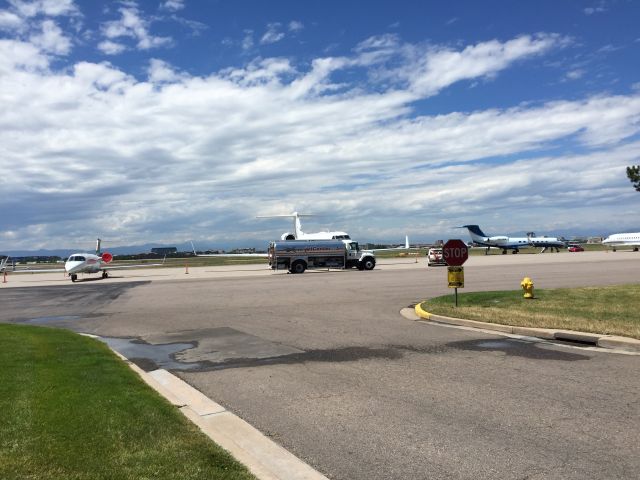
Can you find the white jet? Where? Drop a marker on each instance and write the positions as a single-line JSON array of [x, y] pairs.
[[511, 243], [82, 263], [623, 240], [298, 234]]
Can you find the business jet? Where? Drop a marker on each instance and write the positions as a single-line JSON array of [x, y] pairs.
[[511, 243], [82, 263], [623, 240], [298, 234]]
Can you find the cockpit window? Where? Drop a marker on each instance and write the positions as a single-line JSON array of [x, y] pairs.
[[341, 237], [77, 258]]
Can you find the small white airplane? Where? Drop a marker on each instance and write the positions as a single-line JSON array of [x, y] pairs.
[[83, 263], [623, 240], [88, 263], [298, 234], [511, 243]]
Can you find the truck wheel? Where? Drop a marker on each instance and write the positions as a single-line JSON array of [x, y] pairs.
[[298, 267], [368, 263]]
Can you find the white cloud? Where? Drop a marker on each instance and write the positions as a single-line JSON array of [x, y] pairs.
[[295, 26], [16, 56], [600, 7], [172, 5], [161, 72], [132, 25], [441, 67], [51, 39], [10, 21], [273, 34], [173, 157], [575, 74], [52, 8], [111, 48], [247, 41]]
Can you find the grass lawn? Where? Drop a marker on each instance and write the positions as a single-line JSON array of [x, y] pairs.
[[70, 409], [607, 310]]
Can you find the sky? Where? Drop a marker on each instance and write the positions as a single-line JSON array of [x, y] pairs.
[[174, 120]]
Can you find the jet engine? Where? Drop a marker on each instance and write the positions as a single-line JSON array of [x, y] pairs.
[[107, 257], [288, 236]]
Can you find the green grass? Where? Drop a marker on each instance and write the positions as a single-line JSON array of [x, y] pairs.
[[70, 409], [611, 310]]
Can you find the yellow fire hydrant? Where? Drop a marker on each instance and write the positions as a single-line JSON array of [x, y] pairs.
[[527, 286]]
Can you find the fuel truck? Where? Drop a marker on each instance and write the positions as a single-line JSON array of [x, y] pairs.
[[298, 255]]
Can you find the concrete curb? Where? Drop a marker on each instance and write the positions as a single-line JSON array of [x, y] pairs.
[[604, 341], [262, 456]]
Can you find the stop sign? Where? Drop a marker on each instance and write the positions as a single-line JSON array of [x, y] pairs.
[[455, 252]]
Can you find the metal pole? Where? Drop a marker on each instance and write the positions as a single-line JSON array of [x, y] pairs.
[[456, 289]]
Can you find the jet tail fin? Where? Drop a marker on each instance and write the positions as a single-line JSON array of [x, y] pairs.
[[475, 229]]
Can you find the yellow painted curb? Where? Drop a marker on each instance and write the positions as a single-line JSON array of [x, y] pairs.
[[421, 313], [600, 340]]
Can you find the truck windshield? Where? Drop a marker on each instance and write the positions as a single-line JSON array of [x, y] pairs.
[[354, 246]]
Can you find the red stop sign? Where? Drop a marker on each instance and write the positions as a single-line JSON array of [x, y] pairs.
[[455, 252]]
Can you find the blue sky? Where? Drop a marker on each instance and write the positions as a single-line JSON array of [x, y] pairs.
[[165, 121]]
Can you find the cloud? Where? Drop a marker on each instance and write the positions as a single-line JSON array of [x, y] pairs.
[[111, 48], [161, 72], [172, 5], [441, 67], [247, 41], [272, 35], [295, 26], [575, 74], [10, 21], [51, 8], [132, 25], [600, 7], [51, 39], [173, 156]]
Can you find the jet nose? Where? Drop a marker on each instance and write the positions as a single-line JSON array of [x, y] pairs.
[[72, 267]]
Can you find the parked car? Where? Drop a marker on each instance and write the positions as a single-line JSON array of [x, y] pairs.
[[575, 248], [435, 257]]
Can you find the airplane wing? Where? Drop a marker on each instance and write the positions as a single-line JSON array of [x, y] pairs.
[[9, 268], [142, 265]]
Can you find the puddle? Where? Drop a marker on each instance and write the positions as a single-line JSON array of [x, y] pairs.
[[151, 357], [518, 348]]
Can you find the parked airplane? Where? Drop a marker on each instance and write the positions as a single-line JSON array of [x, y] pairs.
[[90, 263], [623, 240], [298, 234], [83, 263], [511, 243]]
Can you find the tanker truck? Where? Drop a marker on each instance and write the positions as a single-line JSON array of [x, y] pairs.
[[298, 255]]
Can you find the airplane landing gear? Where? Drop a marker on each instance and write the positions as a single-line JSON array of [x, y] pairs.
[[105, 274], [74, 277]]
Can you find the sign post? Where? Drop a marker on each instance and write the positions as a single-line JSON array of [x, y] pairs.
[[455, 253]]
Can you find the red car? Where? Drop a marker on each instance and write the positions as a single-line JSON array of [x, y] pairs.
[[576, 248]]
